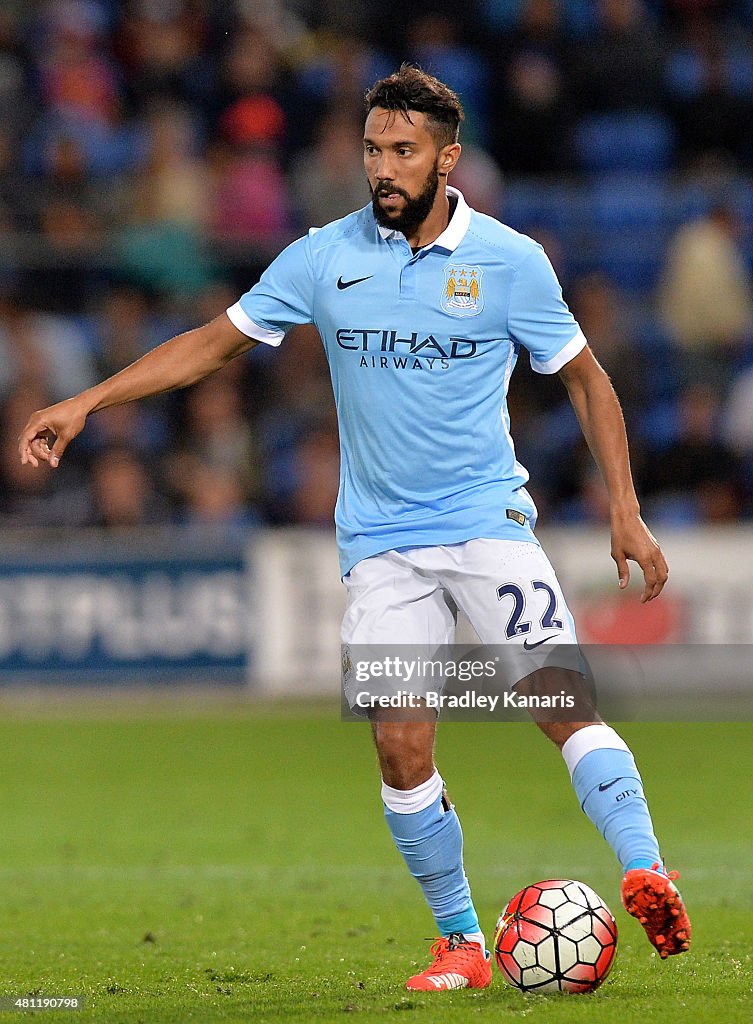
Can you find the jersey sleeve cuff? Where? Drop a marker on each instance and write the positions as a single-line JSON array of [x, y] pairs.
[[246, 325], [570, 351]]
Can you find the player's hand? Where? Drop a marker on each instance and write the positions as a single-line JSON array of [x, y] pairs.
[[49, 431], [632, 539]]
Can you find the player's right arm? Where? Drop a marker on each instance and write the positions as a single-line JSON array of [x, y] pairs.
[[181, 361]]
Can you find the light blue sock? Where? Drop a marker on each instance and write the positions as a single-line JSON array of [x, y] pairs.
[[431, 841], [610, 790]]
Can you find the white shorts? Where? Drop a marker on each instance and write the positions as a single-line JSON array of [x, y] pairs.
[[507, 589]]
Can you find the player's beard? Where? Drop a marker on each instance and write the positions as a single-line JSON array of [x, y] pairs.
[[416, 209]]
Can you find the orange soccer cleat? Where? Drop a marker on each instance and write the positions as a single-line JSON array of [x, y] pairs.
[[652, 897], [457, 964]]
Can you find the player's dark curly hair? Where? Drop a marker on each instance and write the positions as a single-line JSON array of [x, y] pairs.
[[409, 89]]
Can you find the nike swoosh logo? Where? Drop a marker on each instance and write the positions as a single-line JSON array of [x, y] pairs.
[[604, 786], [530, 647], [342, 285]]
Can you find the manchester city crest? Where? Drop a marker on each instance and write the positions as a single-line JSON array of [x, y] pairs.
[[462, 294]]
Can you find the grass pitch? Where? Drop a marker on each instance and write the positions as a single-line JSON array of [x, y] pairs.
[[234, 866]]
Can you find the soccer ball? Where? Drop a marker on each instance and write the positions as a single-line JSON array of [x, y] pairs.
[[555, 936]]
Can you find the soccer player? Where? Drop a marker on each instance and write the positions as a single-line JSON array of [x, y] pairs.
[[423, 306]]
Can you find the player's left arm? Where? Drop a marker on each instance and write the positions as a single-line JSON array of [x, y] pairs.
[[600, 416]]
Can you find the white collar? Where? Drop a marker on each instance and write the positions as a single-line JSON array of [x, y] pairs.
[[455, 231]]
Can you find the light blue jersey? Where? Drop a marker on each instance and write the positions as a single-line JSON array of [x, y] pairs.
[[421, 348]]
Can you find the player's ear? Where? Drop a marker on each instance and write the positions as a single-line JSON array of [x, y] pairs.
[[448, 157]]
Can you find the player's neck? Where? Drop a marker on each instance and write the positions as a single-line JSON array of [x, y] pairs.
[[436, 222]]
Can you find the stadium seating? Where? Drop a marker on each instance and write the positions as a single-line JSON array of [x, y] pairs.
[[624, 142]]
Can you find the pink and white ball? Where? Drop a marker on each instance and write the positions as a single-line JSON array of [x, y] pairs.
[[555, 936]]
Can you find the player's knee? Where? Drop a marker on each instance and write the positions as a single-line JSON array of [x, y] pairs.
[[405, 754], [405, 769], [560, 698]]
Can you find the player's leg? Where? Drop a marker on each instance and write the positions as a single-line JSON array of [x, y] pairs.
[[426, 830], [513, 597], [389, 602], [610, 790], [423, 823], [521, 601]]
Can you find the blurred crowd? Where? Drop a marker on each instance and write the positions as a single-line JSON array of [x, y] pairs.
[[156, 154]]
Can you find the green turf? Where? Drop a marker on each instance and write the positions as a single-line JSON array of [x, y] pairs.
[[234, 866]]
